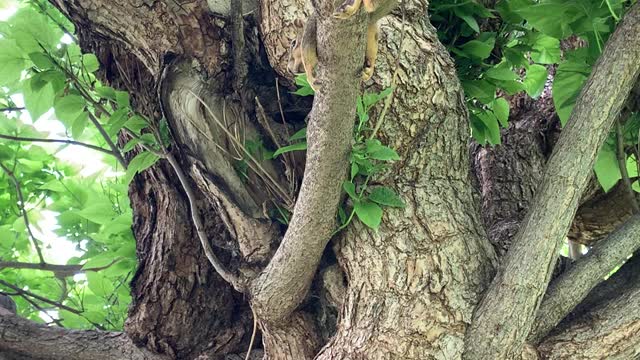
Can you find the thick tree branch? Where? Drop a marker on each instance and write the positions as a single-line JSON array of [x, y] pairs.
[[37, 341], [504, 317], [62, 141], [608, 331], [284, 283], [566, 292]]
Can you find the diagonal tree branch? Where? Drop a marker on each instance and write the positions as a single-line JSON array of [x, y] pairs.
[[285, 281], [610, 330], [25, 216], [504, 317], [567, 291], [61, 141], [114, 149]]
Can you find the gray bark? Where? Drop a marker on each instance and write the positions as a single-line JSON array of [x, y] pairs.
[[575, 284], [615, 334]]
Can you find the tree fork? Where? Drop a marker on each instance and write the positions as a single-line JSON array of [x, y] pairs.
[[505, 316]]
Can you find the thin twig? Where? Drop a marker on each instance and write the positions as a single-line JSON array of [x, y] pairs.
[[41, 309], [41, 298], [284, 120], [292, 171], [12, 108], [57, 269], [265, 122], [55, 21], [197, 221], [622, 163], [394, 80], [253, 333], [114, 149], [23, 208], [62, 141]]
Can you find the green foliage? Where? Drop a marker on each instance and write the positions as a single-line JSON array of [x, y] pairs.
[[507, 50], [87, 214], [368, 157]]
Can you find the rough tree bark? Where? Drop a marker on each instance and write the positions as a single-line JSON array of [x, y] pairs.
[[407, 291]]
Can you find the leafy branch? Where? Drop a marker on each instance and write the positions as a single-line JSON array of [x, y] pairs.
[[23, 210]]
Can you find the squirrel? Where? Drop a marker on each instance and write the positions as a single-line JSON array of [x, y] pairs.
[[303, 55]]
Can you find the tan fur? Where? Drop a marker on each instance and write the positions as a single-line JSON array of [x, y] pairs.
[[303, 55]]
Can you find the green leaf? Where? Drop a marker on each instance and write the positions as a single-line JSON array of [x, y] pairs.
[[141, 162], [386, 196], [377, 151], [68, 108], [299, 135], [490, 122], [471, 21], [500, 108], [369, 213], [41, 60], [551, 17], [480, 89], [106, 92], [354, 170], [136, 123], [479, 49], [117, 121], [606, 168], [90, 63], [535, 80], [350, 189], [567, 83], [100, 285], [632, 166], [294, 147], [304, 89], [501, 72], [385, 154], [546, 50], [79, 124], [122, 98], [99, 213], [38, 101]]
